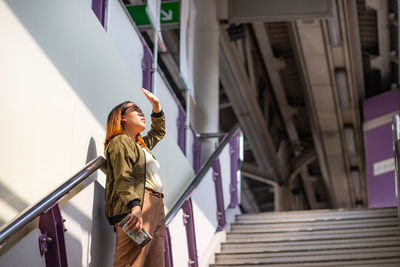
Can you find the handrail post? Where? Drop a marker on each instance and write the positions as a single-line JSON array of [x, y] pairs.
[[219, 194], [234, 153], [188, 221], [52, 239], [199, 176], [396, 150], [196, 153], [168, 248]]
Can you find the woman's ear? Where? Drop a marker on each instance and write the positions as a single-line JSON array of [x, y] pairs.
[[124, 120]]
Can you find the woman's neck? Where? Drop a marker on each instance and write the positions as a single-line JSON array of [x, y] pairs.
[[131, 134]]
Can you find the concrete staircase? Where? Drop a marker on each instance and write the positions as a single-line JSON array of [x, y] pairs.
[[358, 237]]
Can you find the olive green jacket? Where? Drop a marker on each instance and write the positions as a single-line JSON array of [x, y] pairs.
[[126, 169]]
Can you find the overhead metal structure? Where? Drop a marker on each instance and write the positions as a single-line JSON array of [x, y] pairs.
[[294, 74]]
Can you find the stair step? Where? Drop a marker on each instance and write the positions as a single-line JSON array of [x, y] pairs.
[[305, 253], [305, 246], [254, 228], [323, 212], [344, 234], [382, 239], [364, 263], [294, 259], [240, 225], [344, 237], [315, 218]]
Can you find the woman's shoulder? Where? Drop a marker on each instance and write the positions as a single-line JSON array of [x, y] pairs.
[[121, 140]]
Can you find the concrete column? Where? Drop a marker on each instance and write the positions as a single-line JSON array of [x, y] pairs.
[[204, 114], [282, 198]]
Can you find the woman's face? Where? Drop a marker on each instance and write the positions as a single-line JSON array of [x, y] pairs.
[[133, 118]]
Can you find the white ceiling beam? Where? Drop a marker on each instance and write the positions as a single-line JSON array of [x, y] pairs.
[[310, 42], [382, 61]]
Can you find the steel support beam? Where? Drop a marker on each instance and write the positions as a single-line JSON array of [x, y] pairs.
[[245, 106], [248, 201], [253, 172], [273, 66]]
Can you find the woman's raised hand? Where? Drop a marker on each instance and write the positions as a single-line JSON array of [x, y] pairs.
[[153, 100]]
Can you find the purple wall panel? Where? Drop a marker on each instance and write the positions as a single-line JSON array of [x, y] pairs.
[[181, 129], [382, 104], [99, 8], [379, 146]]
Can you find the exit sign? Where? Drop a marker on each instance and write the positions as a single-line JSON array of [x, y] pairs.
[[169, 13]]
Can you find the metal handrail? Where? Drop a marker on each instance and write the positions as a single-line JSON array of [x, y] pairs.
[[45, 204], [200, 175], [35, 210], [396, 149]]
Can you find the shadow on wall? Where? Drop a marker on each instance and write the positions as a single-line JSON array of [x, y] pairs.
[[91, 154], [96, 232], [13, 200], [61, 39], [103, 237], [100, 235]]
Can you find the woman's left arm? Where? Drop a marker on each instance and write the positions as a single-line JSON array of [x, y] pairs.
[[157, 131]]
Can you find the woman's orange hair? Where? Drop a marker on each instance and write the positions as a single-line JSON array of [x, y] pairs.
[[114, 125]]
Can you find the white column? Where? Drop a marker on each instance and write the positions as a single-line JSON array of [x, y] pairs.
[[206, 73]]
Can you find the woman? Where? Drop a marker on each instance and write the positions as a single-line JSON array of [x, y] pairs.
[[133, 185]]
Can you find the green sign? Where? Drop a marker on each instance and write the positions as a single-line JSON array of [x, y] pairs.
[[169, 13]]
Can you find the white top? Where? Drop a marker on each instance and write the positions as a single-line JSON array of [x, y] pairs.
[[153, 180]]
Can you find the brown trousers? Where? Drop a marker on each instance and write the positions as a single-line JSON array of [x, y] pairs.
[[127, 253]]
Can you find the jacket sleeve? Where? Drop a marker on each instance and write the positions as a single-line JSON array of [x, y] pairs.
[[123, 157], [157, 130]]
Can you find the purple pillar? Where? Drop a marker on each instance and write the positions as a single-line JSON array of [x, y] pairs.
[[168, 248], [190, 233], [234, 152], [379, 148], [146, 67], [99, 8], [181, 128], [52, 240], [219, 195], [196, 153]]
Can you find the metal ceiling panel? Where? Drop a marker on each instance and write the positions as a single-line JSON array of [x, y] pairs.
[[244, 11]]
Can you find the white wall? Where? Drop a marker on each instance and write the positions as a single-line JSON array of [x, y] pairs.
[[60, 75], [176, 171]]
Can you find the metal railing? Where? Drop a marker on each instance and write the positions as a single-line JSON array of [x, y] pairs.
[[32, 212], [45, 204], [396, 149], [200, 175]]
